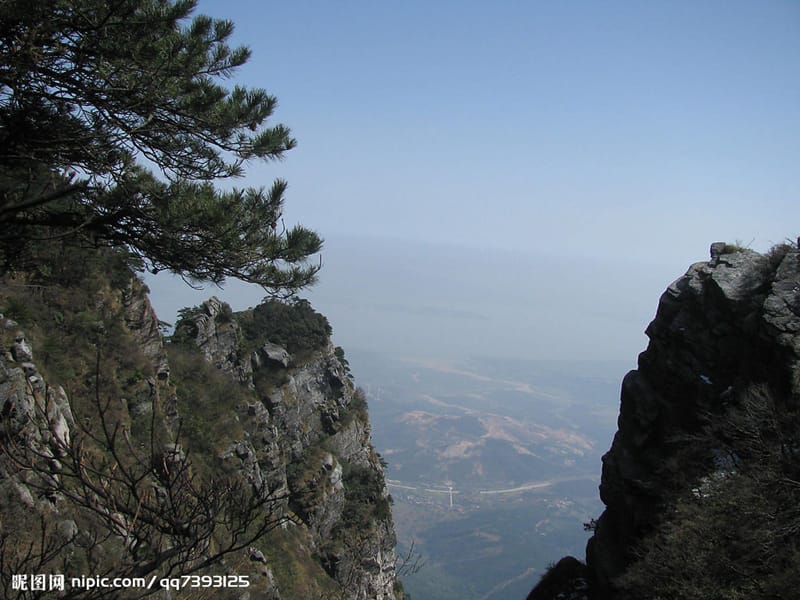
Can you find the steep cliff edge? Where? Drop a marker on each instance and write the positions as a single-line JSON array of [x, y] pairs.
[[306, 433], [220, 456], [700, 483]]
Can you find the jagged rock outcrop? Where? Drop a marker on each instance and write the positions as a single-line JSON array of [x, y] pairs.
[[217, 336], [727, 325], [25, 398], [310, 432], [141, 320]]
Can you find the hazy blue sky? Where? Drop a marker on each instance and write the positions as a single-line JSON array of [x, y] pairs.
[[531, 174]]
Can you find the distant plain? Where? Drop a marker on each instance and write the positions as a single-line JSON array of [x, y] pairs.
[[514, 445]]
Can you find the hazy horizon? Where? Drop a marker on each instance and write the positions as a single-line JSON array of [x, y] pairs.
[[520, 178], [436, 301]]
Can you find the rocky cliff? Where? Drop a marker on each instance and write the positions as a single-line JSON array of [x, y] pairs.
[[306, 434], [700, 481], [222, 456]]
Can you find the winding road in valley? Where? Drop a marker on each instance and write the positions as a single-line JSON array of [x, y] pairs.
[[428, 488]]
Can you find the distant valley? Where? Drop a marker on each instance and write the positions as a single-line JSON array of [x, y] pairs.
[[493, 464]]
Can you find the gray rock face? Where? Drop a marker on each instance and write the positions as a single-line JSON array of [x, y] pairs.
[[301, 414], [218, 338], [274, 353], [717, 250], [250, 467], [311, 409], [26, 401], [143, 323], [21, 351], [722, 327]]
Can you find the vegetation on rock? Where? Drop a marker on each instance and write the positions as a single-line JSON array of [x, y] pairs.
[[735, 534], [292, 324]]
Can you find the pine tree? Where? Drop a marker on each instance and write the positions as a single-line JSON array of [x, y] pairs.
[[116, 128]]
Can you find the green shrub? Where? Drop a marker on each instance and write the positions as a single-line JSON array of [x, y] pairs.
[[306, 479], [364, 499], [355, 410], [293, 324], [207, 399], [185, 331], [339, 352]]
